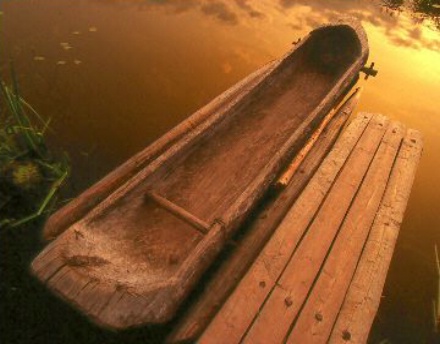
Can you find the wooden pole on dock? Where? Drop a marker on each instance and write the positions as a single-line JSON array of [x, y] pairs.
[[286, 177]]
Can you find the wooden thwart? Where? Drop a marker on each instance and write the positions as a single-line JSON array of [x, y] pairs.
[[179, 212], [321, 274]]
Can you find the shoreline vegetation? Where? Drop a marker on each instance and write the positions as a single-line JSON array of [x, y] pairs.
[[420, 9], [30, 175]]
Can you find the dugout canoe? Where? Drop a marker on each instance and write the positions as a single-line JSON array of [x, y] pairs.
[[130, 249]]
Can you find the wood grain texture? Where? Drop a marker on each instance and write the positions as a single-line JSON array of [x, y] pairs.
[[237, 314], [144, 259], [331, 293], [322, 306], [81, 205], [362, 300], [291, 289], [288, 174], [179, 212], [258, 232]]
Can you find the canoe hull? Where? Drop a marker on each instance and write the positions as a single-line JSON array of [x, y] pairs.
[[131, 260]]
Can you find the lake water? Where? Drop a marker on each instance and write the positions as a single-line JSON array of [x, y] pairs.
[[114, 75]]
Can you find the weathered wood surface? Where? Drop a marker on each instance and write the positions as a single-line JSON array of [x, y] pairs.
[[134, 259], [299, 274], [362, 301], [329, 290], [237, 314], [288, 174], [332, 249], [81, 205], [258, 231], [179, 212]]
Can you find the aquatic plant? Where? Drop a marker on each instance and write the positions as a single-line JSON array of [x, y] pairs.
[[30, 176]]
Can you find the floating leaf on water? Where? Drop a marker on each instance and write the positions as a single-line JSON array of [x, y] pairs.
[[65, 45], [93, 29], [61, 62], [76, 33], [77, 62], [39, 58]]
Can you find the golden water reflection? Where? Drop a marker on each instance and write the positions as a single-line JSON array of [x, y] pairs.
[[135, 68]]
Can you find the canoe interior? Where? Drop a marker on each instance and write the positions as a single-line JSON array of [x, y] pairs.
[[139, 235], [131, 245]]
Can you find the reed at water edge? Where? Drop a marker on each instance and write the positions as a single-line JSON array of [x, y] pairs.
[[30, 175]]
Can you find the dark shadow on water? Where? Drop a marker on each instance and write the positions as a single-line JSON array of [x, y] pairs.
[[403, 315]]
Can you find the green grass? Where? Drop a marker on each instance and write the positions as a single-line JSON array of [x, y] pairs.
[[30, 177]]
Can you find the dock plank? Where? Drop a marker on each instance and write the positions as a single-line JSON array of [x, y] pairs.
[[239, 311], [362, 301], [281, 308], [322, 306]]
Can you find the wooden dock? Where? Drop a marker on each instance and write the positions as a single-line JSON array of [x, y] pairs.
[[320, 276]]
